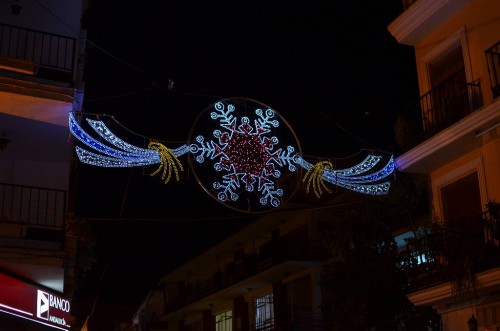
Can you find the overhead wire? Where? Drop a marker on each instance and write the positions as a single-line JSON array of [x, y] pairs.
[[87, 40], [121, 95], [373, 147], [243, 216], [128, 64], [169, 89]]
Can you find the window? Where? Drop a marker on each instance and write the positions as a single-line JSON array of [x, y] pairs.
[[448, 67], [449, 59], [224, 321], [461, 191], [461, 199], [264, 312]]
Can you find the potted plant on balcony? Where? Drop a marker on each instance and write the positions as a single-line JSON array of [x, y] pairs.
[[461, 249]]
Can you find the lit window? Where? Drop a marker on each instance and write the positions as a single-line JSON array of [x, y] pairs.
[[264, 312], [224, 321], [421, 258]]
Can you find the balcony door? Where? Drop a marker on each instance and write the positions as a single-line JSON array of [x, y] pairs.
[[445, 77], [461, 199], [448, 98], [449, 67]]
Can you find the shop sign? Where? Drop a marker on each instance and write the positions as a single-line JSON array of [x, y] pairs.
[[32, 303]]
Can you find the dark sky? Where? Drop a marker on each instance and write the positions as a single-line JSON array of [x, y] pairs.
[[330, 68]]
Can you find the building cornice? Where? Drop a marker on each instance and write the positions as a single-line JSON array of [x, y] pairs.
[[468, 126], [422, 17], [437, 294]]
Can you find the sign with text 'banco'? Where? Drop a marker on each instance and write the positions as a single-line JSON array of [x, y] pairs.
[[29, 302]]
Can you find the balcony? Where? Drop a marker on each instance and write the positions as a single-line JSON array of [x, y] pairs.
[[438, 109], [448, 253], [448, 103], [39, 54], [270, 256], [33, 214]]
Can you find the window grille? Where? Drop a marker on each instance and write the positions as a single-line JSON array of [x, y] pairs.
[[224, 321], [264, 312]]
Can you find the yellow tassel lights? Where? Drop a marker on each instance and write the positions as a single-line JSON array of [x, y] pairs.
[[169, 162], [314, 178]]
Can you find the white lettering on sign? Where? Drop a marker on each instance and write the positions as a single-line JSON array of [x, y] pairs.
[[57, 320], [59, 303], [45, 301]]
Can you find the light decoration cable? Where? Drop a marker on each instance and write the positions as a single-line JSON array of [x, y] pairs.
[[246, 155]]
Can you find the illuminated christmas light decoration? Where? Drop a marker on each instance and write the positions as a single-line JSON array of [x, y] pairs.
[[168, 163], [245, 152], [129, 156], [315, 176], [355, 178]]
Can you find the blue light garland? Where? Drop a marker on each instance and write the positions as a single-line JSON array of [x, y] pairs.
[[129, 156]]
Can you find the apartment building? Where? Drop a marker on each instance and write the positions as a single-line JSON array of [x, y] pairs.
[[452, 136], [41, 82], [264, 277]]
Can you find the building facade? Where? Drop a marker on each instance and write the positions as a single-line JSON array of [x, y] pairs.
[[42, 49], [264, 277], [452, 136]]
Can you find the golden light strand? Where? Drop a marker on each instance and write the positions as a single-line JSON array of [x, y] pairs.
[[169, 162], [315, 175]]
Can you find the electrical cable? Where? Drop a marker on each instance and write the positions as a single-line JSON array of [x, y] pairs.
[[120, 95]]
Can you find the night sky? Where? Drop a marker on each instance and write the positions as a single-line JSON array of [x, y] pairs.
[[330, 68]]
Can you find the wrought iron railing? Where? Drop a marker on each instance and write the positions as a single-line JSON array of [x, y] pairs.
[[493, 60], [438, 109], [52, 55], [427, 261], [447, 103], [32, 206]]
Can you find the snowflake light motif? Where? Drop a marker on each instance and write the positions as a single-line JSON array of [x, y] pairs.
[[245, 154]]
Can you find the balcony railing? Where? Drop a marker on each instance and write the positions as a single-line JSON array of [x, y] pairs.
[[447, 104], [430, 258], [248, 266], [493, 60], [438, 109], [52, 55], [32, 206]]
